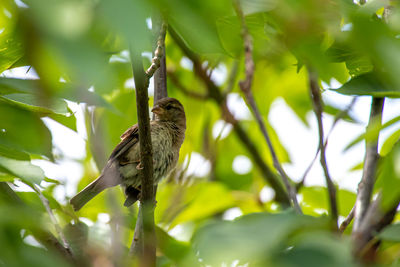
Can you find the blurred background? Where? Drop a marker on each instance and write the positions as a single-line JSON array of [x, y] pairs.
[[67, 94]]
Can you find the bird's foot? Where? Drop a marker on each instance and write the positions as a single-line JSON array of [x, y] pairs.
[[139, 166]]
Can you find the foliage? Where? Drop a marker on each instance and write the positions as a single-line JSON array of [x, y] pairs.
[[78, 51]]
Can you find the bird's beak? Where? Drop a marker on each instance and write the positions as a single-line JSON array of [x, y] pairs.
[[157, 110]]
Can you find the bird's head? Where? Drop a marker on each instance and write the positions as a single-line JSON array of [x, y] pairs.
[[171, 110]]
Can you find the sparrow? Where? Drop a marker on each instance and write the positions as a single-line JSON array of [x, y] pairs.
[[167, 132]]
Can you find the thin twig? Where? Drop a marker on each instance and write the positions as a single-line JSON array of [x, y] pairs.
[[159, 51], [231, 79], [318, 109], [53, 219], [347, 221], [370, 164], [340, 116], [214, 93], [245, 86]]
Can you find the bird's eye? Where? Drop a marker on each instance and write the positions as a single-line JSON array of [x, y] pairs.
[[168, 107]]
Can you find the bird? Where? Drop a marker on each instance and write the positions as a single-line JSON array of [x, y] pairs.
[[167, 132]]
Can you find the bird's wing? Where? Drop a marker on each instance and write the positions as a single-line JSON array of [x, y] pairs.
[[129, 138]]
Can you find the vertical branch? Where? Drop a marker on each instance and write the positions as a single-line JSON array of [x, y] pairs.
[[160, 76], [318, 109], [370, 164], [148, 258], [143, 243], [245, 86]]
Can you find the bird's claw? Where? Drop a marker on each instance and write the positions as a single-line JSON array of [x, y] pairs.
[[139, 166]]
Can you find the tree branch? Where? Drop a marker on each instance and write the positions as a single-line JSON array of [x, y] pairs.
[[370, 164], [373, 222], [245, 86], [144, 240], [318, 109], [214, 93], [148, 257], [339, 116], [347, 221]]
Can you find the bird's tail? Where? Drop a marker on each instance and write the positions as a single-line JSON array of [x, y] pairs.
[[88, 193]]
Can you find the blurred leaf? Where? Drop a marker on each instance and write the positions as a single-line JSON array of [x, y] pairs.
[[317, 249], [209, 199], [249, 238], [182, 15], [373, 132], [315, 200], [388, 180], [11, 50], [24, 131], [69, 91], [368, 84], [68, 120], [356, 63], [390, 233], [229, 30], [255, 6], [36, 104], [11, 47], [14, 154], [22, 169], [170, 247], [390, 142], [128, 18], [77, 237]]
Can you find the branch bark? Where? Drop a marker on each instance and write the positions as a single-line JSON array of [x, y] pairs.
[[338, 117], [144, 241], [318, 109], [370, 164], [214, 93], [245, 86], [373, 222]]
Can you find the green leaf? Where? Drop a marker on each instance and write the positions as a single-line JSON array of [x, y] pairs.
[[317, 249], [22, 169], [209, 199], [368, 84], [172, 248], [315, 199], [356, 62], [373, 132], [390, 233], [23, 130], [249, 238], [390, 142], [11, 47], [229, 31], [12, 153], [69, 91], [389, 178], [37, 104], [256, 6], [68, 120]]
